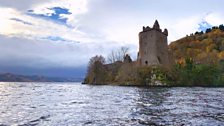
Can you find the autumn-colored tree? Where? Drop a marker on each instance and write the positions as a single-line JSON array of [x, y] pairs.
[[203, 48]]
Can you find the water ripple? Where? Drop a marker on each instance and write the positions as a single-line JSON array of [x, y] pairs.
[[37, 104]]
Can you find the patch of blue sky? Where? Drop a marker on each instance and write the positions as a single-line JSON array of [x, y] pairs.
[[59, 39], [55, 16], [21, 21], [55, 38], [204, 25]]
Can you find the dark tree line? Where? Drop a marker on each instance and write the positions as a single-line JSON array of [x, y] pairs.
[[221, 27]]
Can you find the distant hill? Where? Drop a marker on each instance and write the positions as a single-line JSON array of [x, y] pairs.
[[8, 77], [205, 48]]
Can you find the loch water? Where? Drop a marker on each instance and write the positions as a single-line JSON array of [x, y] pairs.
[[74, 104]]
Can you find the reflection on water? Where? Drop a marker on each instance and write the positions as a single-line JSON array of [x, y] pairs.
[[29, 104]]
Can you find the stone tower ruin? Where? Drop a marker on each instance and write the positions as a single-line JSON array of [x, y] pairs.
[[153, 47]]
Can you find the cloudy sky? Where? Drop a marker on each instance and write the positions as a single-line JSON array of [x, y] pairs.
[[57, 37]]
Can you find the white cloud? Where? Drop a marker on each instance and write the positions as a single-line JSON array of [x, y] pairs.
[[182, 27], [39, 29], [76, 7], [215, 18], [21, 5], [102, 22], [47, 54], [98, 25]]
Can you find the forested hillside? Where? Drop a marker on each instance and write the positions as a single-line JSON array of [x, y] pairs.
[[203, 48]]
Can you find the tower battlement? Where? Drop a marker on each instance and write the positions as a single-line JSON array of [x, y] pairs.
[[155, 27]]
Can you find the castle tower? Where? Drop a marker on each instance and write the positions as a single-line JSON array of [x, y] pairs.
[[153, 47]]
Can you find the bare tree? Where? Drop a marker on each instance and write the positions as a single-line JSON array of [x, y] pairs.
[[111, 57], [117, 55], [124, 50]]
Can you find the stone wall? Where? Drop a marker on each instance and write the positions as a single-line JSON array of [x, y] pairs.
[[153, 47]]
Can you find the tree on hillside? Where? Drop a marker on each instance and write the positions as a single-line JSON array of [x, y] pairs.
[[221, 27], [199, 33], [215, 27], [208, 30], [196, 33]]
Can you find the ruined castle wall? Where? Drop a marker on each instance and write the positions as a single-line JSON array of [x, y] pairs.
[[162, 49], [153, 48], [147, 50]]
